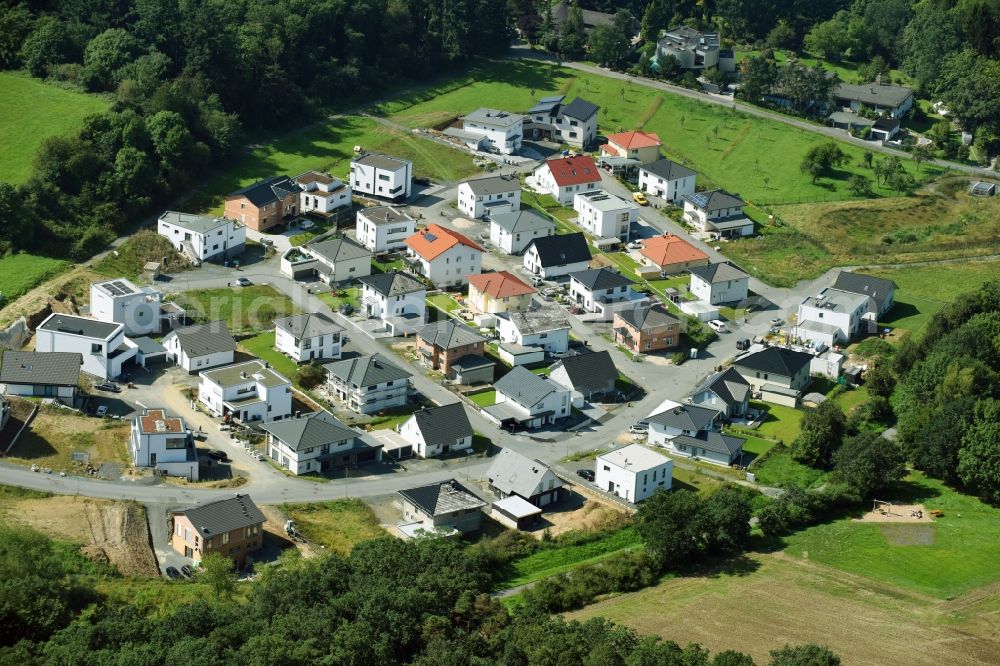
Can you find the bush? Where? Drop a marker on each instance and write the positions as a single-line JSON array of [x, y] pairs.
[[620, 573], [310, 375]]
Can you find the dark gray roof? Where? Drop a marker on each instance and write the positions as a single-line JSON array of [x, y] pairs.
[[91, 328], [713, 200], [41, 368], [441, 498], [580, 109], [224, 515], [563, 249], [775, 360], [381, 161], [729, 385], [886, 123], [667, 169], [685, 417], [310, 430], [494, 185], [648, 317], [547, 104], [378, 215], [338, 249], [393, 284], [443, 425], [713, 441], [522, 220], [367, 370], [721, 272], [600, 279], [472, 362], [593, 372], [449, 334], [148, 345], [308, 325], [204, 339], [872, 94], [879, 289], [525, 387], [513, 473], [269, 190]]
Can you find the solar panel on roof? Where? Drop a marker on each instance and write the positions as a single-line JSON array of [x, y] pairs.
[[430, 237]]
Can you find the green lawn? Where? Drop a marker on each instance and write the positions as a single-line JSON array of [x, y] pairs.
[[484, 399], [351, 295], [338, 525], [849, 400], [780, 470], [444, 302], [254, 307], [20, 273], [262, 346], [945, 559], [757, 446], [940, 282], [781, 423], [32, 111]]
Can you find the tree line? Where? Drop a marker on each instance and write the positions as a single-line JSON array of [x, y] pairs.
[[190, 80]]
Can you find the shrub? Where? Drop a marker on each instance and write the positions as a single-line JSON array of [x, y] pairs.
[[310, 375]]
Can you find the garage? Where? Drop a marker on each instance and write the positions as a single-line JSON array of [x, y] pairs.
[[149, 352]]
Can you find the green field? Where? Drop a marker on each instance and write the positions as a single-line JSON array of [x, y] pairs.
[[781, 423], [484, 399], [847, 71], [262, 346], [32, 111], [20, 273], [338, 526], [253, 307]]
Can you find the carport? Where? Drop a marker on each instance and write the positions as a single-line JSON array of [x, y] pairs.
[[149, 352]]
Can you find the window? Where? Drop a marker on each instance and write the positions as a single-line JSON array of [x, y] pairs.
[[607, 469], [225, 538], [96, 348]]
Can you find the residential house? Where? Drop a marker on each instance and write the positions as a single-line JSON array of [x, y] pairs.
[[203, 238], [308, 337], [883, 99], [574, 124], [442, 343], [514, 231], [201, 346], [671, 254], [719, 283], [436, 431], [398, 299], [48, 375], [489, 196], [554, 256], [101, 344], [523, 399], [726, 391], [633, 472], [443, 256], [694, 432], [163, 443], [248, 392], [881, 291], [382, 176], [503, 131], [265, 204], [532, 480], [591, 376], [119, 301], [780, 375], [694, 50], [333, 260], [321, 193], [232, 527], [317, 443], [499, 291], [717, 212], [667, 180], [834, 317], [604, 292], [644, 330], [565, 177], [636, 145], [605, 215], [442, 508], [885, 129], [369, 384], [384, 228], [546, 329]]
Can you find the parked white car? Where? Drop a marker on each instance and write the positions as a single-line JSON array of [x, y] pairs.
[[718, 326]]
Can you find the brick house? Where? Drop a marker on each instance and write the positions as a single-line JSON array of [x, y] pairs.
[[644, 330], [231, 527], [442, 343], [265, 204]]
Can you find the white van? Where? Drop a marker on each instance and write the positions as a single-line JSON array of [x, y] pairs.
[[718, 326]]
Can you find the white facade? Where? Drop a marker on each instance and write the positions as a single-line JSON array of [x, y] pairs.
[[605, 215], [725, 291], [727, 221], [834, 317], [382, 176], [564, 193], [514, 242], [452, 267], [101, 344], [202, 238], [372, 399], [410, 431], [533, 264], [251, 391], [38, 390], [633, 472], [162, 442], [504, 131], [383, 307], [606, 302], [475, 200], [668, 189], [121, 302], [195, 363], [554, 406], [531, 331], [322, 193], [307, 348], [383, 229]]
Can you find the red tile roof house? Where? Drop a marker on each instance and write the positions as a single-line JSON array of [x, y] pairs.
[[566, 177], [671, 254], [642, 146], [500, 291], [443, 256]]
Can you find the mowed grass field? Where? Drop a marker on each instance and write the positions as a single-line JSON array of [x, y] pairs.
[[254, 307], [20, 273], [32, 111], [754, 157]]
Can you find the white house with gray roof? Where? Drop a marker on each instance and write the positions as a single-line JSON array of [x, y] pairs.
[[332, 260], [384, 228], [884, 99], [308, 337], [667, 179], [693, 431], [436, 431], [202, 238], [501, 129], [512, 232], [574, 124], [382, 176], [533, 481], [604, 292], [523, 399], [315, 443], [398, 299], [834, 317], [719, 283], [200, 347], [726, 391], [717, 212], [101, 344], [251, 391], [881, 291], [547, 329], [489, 196], [588, 375], [41, 375], [369, 384], [605, 215], [633, 472]]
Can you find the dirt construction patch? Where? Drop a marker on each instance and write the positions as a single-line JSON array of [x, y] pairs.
[[112, 532], [898, 513], [591, 515]]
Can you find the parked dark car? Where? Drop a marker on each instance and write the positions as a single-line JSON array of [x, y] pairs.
[[173, 573], [422, 181], [186, 570], [218, 455], [108, 386], [586, 474]]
